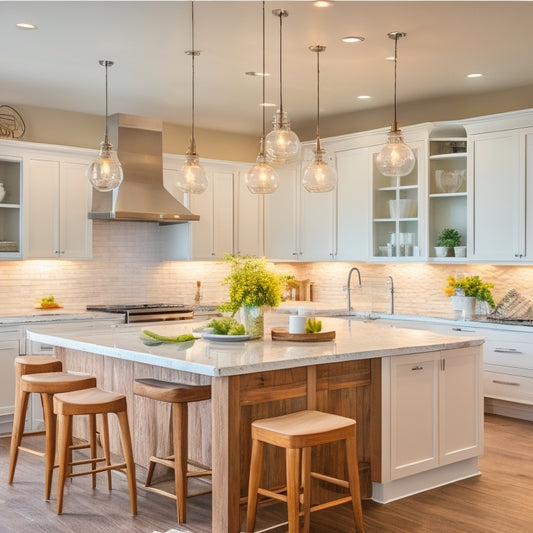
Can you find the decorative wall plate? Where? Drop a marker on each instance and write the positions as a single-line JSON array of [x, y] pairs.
[[11, 124]]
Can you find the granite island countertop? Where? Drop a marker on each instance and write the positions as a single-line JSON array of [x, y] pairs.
[[354, 340]]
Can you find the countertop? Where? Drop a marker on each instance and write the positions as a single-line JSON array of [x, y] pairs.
[[355, 339]]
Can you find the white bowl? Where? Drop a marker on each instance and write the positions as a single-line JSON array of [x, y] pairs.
[[400, 208], [449, 181]]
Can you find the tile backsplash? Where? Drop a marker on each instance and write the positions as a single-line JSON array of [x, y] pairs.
[[126, 269]]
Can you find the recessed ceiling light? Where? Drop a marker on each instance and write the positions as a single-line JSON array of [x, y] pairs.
[[323, 3], [475, 75], [26, 26], [352, 39], [265, 74], [364, 97]]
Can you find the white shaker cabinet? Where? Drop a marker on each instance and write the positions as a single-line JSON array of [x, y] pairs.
[[298, 224], [434, 414], [212, 235], [9, 350], [56, 206], [248, 220], [354, 174], [498, 201]]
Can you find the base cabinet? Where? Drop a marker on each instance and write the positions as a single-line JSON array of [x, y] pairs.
[[434, 415]]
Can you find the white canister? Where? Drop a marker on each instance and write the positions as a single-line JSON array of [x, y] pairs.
[[297, 323], [2, 192]]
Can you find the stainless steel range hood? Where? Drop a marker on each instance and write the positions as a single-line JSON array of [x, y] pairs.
[[142, 195]]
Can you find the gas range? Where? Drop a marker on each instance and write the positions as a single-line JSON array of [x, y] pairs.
[[147, 312]]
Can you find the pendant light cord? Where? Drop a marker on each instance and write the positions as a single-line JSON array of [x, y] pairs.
[[193, 54], [280, 61], [106, 137], [264, 75], [395, 122], [318, 99]]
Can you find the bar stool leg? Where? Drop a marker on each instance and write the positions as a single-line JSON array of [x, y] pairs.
[[50, 440], [21, 405], [255, 477], [293, 488], [180, 425], [64, 423], [125, 437], [353, 478], [92, 445], [306, 487], [105, 447]]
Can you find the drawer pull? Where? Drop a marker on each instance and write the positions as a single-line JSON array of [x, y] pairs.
[[463, 329], [417, 367], [507, 350], [500, 382]]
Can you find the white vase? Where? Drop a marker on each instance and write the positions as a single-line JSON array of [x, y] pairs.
[[253, 319], [465, 305]]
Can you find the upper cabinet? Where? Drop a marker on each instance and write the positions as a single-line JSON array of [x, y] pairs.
[[44, 212], [447, 188], [56, 205], [501, 170], [10, 207], [229, 215]]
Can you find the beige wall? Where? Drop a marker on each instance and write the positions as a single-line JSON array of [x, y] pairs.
[[53, 126], [451, 108]]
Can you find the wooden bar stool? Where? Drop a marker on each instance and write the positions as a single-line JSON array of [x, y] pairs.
[[27, 364], [46, 384], [179, 395], [91, 402], [297, 433]]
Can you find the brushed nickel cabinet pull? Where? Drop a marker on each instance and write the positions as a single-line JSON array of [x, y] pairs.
[[417, 367], [507, 350], [511, 383]]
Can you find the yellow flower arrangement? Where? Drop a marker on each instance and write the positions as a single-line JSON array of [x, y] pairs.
[[470, 286], [252, 283]]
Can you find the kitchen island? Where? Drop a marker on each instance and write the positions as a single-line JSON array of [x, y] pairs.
[[416, 396]]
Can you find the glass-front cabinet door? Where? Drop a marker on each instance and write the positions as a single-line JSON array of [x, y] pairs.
[[10, 208], [395, 221]]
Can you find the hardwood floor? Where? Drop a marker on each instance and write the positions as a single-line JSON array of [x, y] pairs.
[[500, 500]]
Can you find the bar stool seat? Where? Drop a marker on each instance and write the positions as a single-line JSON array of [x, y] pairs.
[[93, 401], [179, 395], [46, 384], [298, 432]]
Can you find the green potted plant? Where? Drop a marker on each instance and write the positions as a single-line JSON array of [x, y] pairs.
[[466, 291], [253, 287], [447, 239]]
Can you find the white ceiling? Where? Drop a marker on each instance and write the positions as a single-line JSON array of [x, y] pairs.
[[57, 66]]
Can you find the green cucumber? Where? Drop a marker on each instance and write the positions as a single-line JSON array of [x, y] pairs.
[[181, 338]]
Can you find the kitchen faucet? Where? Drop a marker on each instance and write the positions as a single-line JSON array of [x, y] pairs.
[[390, 285], [348, 286]]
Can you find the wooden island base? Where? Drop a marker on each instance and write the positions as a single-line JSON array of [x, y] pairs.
[[219, 430]]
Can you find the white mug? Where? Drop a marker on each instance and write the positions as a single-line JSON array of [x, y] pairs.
[[297, 324]]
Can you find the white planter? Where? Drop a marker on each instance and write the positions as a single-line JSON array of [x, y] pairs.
[[459, 251], [465, 305], [442, 251]]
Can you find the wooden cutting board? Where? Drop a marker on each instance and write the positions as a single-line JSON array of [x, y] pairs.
[[282, 334]]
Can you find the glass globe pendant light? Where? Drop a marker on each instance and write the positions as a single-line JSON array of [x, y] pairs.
[[282, 144], [192, 178], [105, 172], [396, 158], [319, 176], [262, 178]]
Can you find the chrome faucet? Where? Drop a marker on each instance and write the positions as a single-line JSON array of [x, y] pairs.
[[390, 285], [348, 286]]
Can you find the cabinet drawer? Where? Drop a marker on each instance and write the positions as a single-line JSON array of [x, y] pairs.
[[508, 387]]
